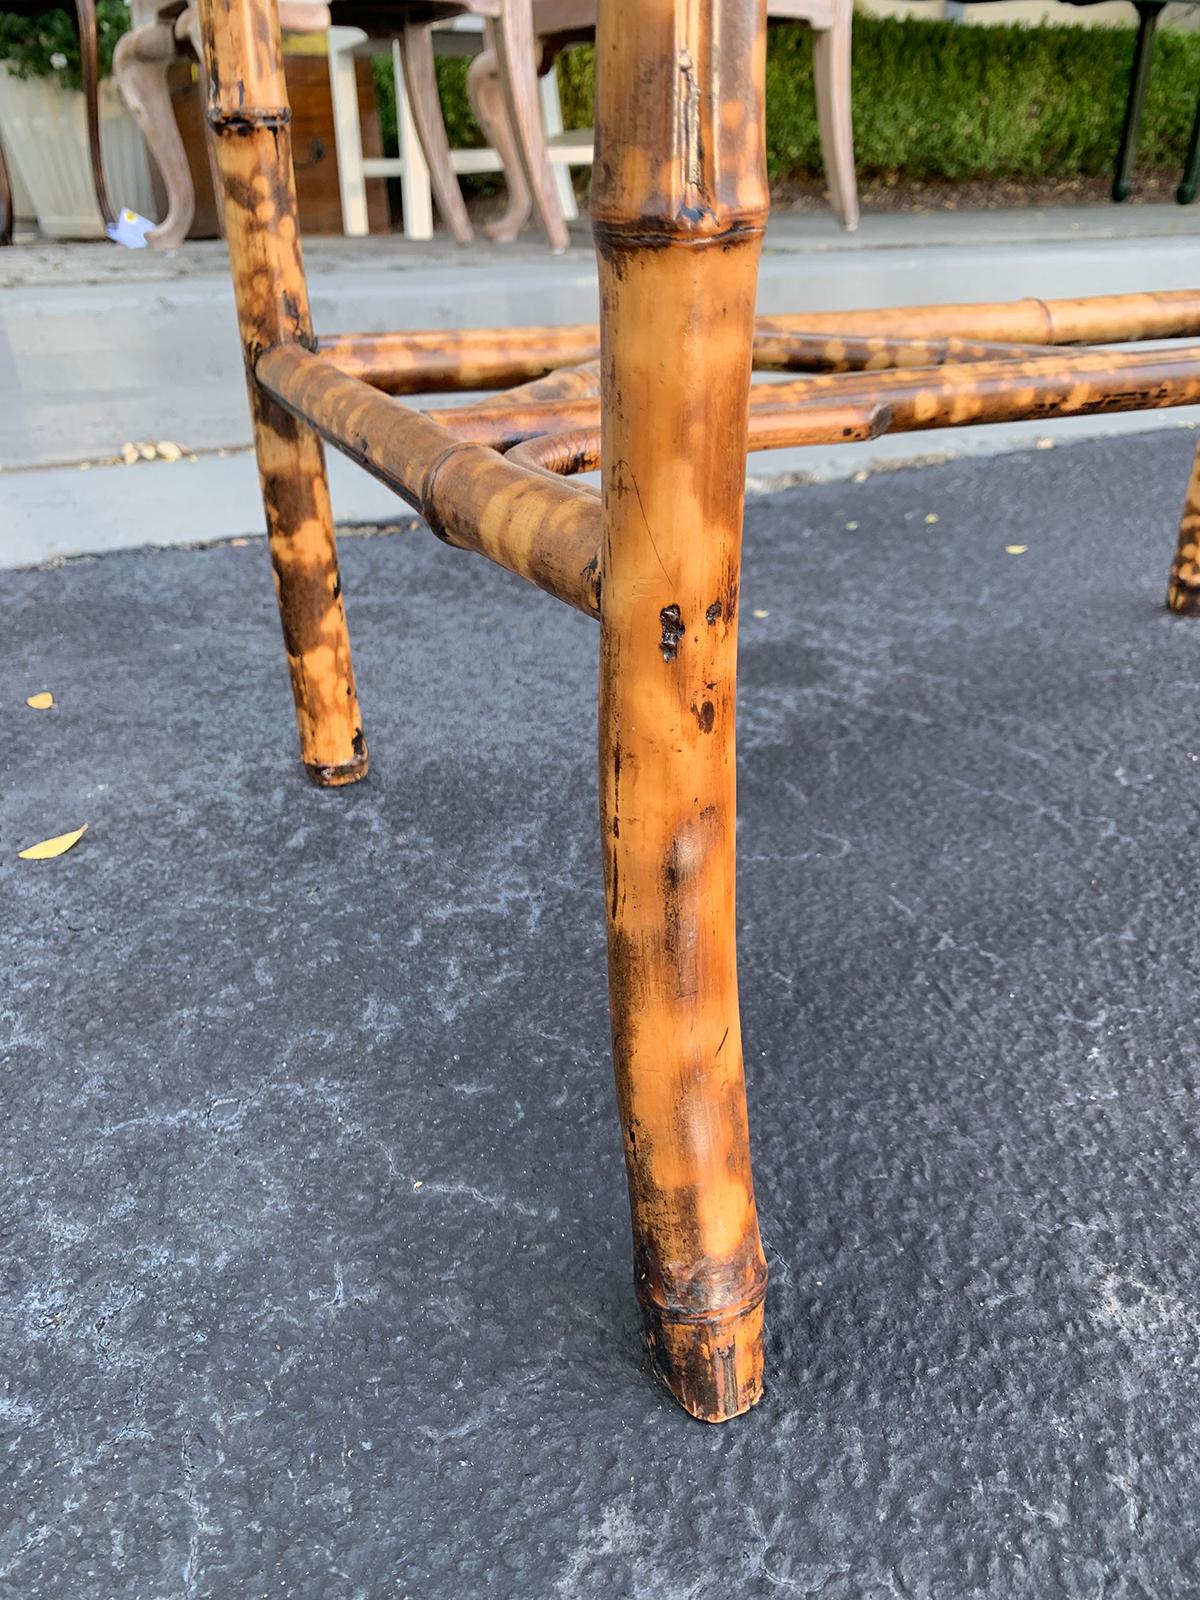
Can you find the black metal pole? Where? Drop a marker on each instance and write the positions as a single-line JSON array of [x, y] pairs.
[[1186, 191], [1143, 51]]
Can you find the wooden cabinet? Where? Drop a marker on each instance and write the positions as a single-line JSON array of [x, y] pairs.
[[312, 142]]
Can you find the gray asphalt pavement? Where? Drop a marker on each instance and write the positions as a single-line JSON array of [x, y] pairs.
[[315, 1247]]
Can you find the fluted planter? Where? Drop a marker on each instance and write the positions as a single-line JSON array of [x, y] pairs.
[[44, 133]]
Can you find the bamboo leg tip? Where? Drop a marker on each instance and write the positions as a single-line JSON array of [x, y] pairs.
[[327, 776], [713, 1366], [1183, 598]]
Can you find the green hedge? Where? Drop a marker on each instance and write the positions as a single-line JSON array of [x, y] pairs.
[[934, 100], [48, 46]]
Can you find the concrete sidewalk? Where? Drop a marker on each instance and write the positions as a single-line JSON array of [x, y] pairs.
[[316, 1251], [103, 347]]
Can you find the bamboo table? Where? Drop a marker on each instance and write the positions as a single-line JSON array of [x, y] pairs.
[[660, 399]]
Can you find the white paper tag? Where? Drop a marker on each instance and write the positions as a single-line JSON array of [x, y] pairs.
[[129, 229]]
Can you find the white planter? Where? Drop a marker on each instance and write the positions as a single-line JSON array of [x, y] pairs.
[[44, 132]]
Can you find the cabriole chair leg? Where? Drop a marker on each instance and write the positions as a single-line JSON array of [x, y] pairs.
[[485, 87], [249, 116], [678, 224], [140, 64]]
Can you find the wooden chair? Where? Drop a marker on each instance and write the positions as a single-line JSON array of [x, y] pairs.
[[522, 39], [409, 166], [162, 32], [558, 24], [679, 202], [165, 31], [505, 94]]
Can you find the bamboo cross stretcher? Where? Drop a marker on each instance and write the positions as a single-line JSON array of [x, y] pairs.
[[661, 400]]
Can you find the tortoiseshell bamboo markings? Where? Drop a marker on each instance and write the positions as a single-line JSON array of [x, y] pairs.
[[487, 358], [249, 115], [660, 400], [1095, 319], [679, 200], [545, 531], [564, 435], [470, 358], [1183, 590]]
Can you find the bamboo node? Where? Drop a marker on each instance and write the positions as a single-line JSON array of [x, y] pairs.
[[653, 233], [430, 485], [338, 775], [713, 1366]]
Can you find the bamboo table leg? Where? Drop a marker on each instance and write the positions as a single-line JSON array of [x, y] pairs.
[[249, 115], [1183, 591], [678, 205]]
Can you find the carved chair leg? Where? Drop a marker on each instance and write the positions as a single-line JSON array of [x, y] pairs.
[[519, 56], [486, 89], [1183, 592], [6, 202], [247, 109], [678, 238], [420, 82], [140, 65], [831, 81]]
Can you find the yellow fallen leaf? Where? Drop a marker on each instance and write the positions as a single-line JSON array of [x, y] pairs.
[[852, 527], [1015, 549], [931, 518], [49, 848], [760, 614], [42, 701]]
